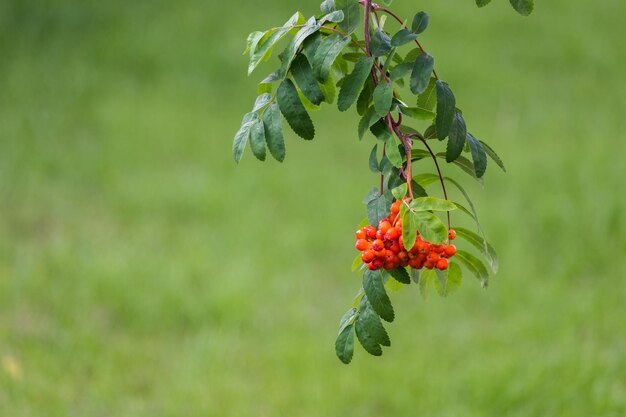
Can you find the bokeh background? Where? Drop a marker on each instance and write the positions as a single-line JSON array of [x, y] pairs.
[[143, 273]]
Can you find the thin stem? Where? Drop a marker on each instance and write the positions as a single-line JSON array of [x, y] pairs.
[[443, 184], [382, 177], [366, 23], [407, 143]]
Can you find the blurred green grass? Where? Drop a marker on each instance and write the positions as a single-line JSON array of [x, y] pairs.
[[142, 273]]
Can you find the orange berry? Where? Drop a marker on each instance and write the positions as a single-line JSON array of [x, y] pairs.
[[442, 264], [415, 263], [378, 245], [380, 235], [368, 256], [432, 257], [371, 232], [429, 265], [384, 225], [451, 234], [450, 251], [392, 234], [361, 234], [362, 244], [395, 207]]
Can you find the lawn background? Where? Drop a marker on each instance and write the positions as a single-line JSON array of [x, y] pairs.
[[143, 273]]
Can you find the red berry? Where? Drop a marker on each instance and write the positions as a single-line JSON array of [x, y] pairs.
[[450, 251], [415, 263], [395, 247], [368, 256], [372, 266], [442, 264], [380, 235], [377, 263], [371, 232], [361, 234], [378, 245], [429, 265], [432, 257], [393, 234], [362, 244], [451, 234], [395, 207], [384, 225]]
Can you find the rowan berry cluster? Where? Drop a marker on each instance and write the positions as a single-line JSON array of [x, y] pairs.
[[384, 247]]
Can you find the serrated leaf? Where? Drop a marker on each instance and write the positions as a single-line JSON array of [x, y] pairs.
[[400, 71], [380, 129], [431, 227], [369, 118], [376, 294], [306, 81], [409, 226], [373, 159], [353, 83], [272, 122], [365, 335], [448, 280], [400, 275], [417, 113], [481, 244], [479, 156], [432, 204], [474, 265], [383, 95], [482, 3], [335, 17], [257, 140], [378, 206], [365, 96], [427, 278], [420, 75], [446, 108], [289, 53], [380, 43], [326, 53], [351, 14], [344, 344], [373, 323], [420, 22], [327, 6], [403, 36], [310, 45], [428, 98], [456, 140], [292, 108], [523, 7], [262, 101], [400, 191], [242, 135], [393, 153], [493, 155], [347, 319], [263, 47]]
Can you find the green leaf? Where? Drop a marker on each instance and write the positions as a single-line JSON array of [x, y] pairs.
[[351, 14], [376, 294], [409, 226], [257, 140], [288, 55], [427, 278], [400, 71], [377, 205], [329, 90], [373, 160], [380, 129], [420, 22], [432, 204], [344, 344], [303, 75], [456, 142], [523, 7], [327, 6], [383, 94], [372, 323], [241, 137], [263, 47], [400, 275], [417, 113], [347, 319], [291, 107], [479, 156], [474, 265], [262, 101], [428, 98], [430, 226], [393, 154], [365, 97], [446, 108], [420, 76], [326, 53], [357, 262], [448, 280], [253, 40], [493, 155], [482, 3], [481, 244], [400, 191], [311, 44], [380, 43], [402, 37], [353, 82], [272, 121], [335, 17], [369, 118]]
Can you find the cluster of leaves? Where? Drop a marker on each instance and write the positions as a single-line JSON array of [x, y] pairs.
[[325, 61]]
